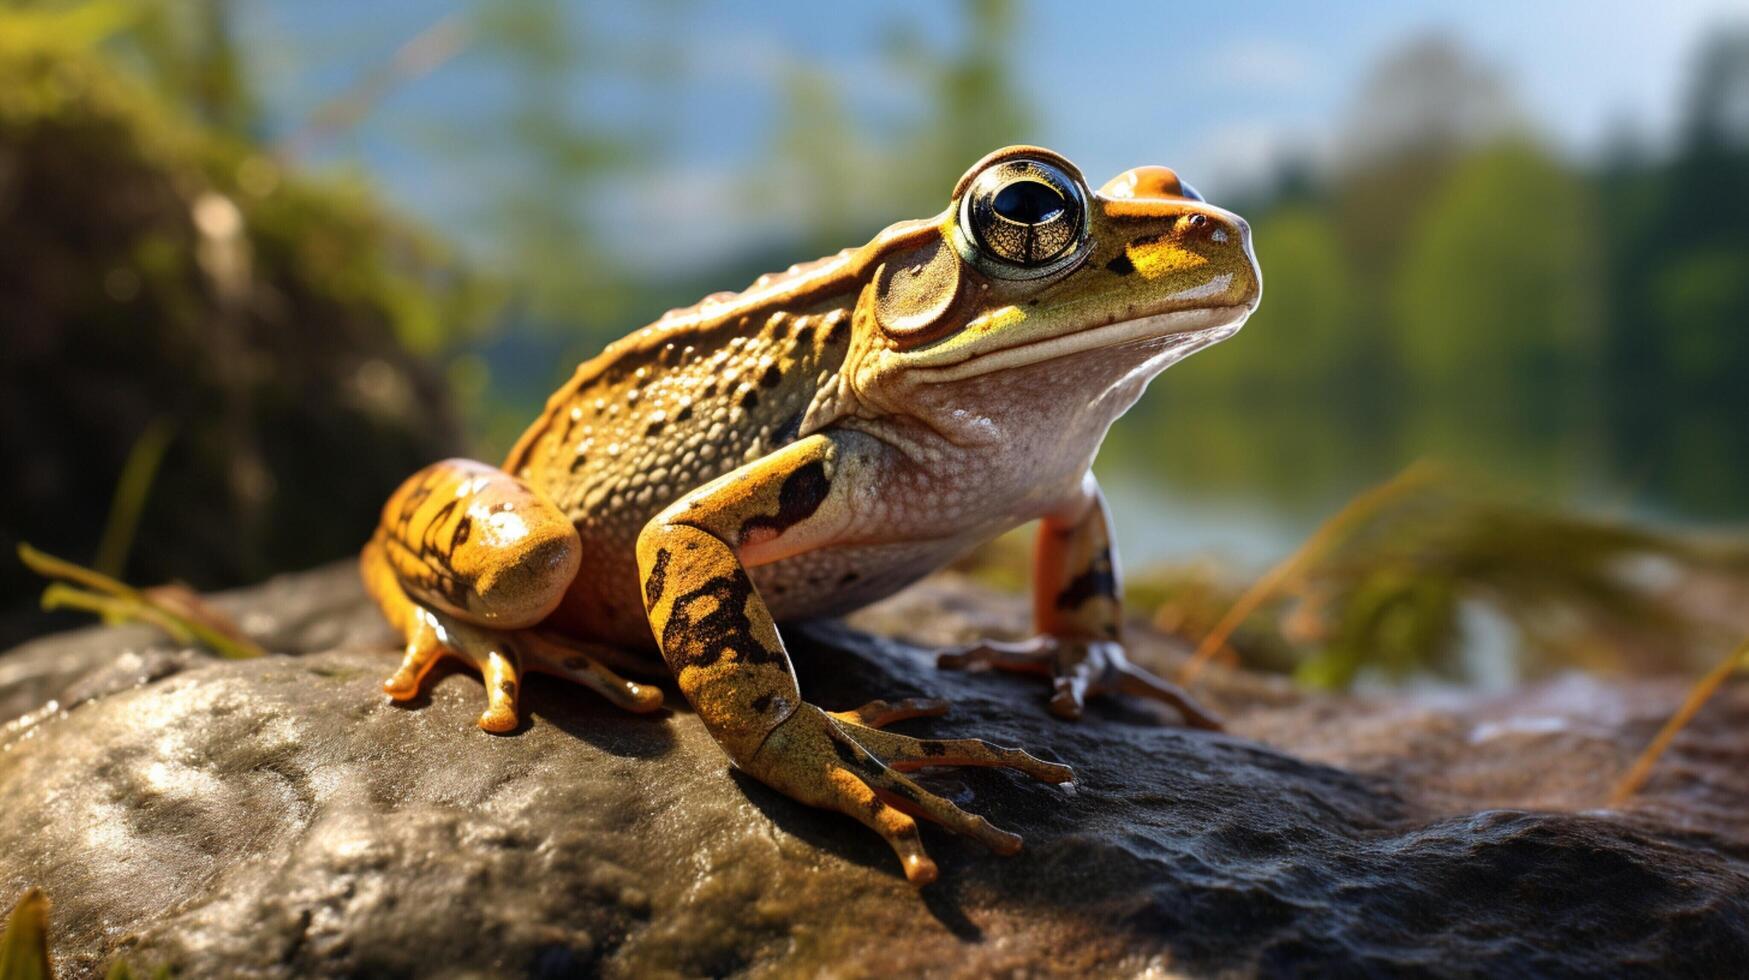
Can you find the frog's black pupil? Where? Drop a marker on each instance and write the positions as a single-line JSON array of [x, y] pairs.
[[1028, 202]]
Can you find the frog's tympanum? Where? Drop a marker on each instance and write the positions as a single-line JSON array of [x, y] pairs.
[[813, 444]]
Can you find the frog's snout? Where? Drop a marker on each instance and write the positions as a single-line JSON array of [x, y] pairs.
[[1224, 239]]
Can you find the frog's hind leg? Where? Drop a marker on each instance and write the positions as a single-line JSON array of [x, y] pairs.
[[466, 561]]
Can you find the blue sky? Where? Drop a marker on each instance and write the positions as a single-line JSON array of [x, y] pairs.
[[1216, 90]]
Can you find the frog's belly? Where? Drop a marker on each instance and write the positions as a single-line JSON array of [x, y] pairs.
[[834, 581]]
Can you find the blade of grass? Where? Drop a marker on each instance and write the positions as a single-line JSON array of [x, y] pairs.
[[131, 492], [1697, 697], [1327, 534], [189, 621], [113, 609], [24, 946]]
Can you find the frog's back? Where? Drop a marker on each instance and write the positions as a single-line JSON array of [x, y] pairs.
[[671, 407]]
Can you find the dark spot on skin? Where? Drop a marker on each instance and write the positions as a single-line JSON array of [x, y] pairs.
[[452, 590], [427, 541], [578, 461], [507, 687], [761, 703], [709, 389], [657, 581], [771, 376], [1098, 580], [701, 642], [750, 400], [779, 588], [1121, 265], [786, 433], [804, 334], [847, 753], [1149, 240], [683, 414], [463, 529], [653, 428], [802, 493], [933, 748], [836, 330], [848, 578]]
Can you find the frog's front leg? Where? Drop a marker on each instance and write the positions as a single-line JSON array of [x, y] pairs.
[[466, 562], [719, 640], [1078, 611]]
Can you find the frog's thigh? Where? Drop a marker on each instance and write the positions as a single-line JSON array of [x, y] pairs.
[[478, 544], [465, 560]]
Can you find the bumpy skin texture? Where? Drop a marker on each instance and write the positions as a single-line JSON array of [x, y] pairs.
[[814, 444]]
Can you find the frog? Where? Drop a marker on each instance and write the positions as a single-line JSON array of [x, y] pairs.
[[816, 443]]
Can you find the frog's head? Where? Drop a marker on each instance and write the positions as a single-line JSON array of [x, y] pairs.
[[1029, 272]]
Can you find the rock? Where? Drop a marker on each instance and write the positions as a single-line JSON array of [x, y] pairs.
[[276, 818]]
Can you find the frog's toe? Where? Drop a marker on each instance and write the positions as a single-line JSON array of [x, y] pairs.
[[1069, 688], [575, 663], [855, 797], [904, 753], [1143, 683], [901, 792], [878, 714], [503, 682], [423, 653], [1022, 656]]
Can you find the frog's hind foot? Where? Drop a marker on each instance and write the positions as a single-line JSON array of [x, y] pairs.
[[1079, 669], [503, 657]]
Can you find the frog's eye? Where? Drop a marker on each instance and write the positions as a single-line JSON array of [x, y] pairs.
[[1025, 217]]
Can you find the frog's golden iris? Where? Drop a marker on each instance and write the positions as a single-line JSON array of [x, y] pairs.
[[814, 444]]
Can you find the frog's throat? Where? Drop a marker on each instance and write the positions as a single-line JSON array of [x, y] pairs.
[[1178, 334]]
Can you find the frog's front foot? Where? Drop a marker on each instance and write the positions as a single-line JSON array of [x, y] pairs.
[[502, 657], [1079, 668], [843, 761]]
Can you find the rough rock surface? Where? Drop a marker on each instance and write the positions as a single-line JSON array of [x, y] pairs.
[[277, 818]]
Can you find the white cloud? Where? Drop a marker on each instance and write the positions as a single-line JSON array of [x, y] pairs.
[[1234, 157], [1261, 65]]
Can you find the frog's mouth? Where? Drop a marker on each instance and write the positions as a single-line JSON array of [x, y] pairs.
[[1166, 337]]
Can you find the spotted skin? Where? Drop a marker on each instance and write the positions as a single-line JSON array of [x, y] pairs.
[[806, 447]]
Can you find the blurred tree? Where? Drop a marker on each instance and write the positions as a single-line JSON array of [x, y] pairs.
[[823, 171], [186, 49], [843, 177], [1497, 311], [1422, 109], [971, 104], [542, 160], [1677, 350]]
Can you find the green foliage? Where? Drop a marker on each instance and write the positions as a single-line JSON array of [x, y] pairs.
[[1394, 596], [1578, 591], [1498, 293]]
